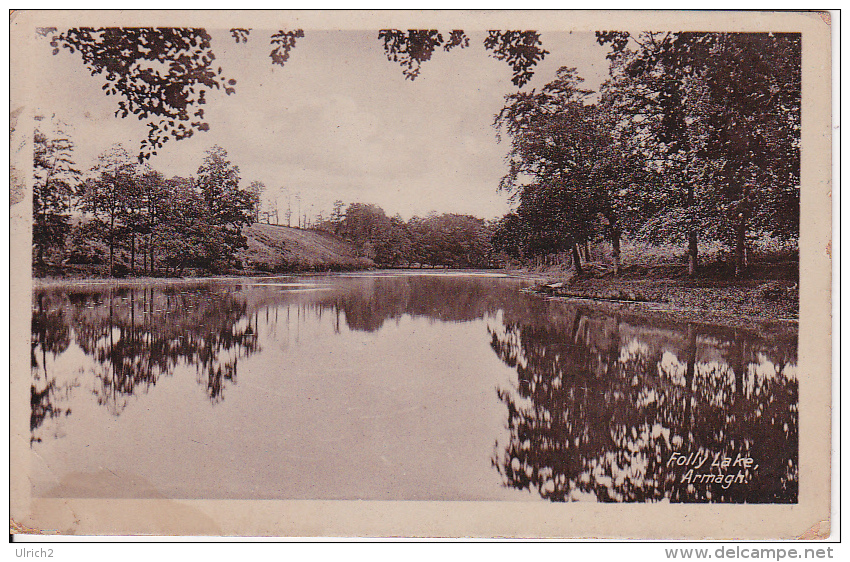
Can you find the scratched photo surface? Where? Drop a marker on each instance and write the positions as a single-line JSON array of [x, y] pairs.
[[523, 266]]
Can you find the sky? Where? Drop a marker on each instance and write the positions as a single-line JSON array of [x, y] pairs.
[[337, 122]]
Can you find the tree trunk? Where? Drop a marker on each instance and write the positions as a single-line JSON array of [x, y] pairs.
[[576, 259], [615, 249], [112, 246], [133, 254], [693, 253], [741, 245], [693, 250], [41, 242]]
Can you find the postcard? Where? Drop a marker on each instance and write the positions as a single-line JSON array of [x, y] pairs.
[[529, 274]]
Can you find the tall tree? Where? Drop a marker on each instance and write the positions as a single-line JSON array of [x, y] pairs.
[[651, 91], [255, 193], [555, 145], [107, 196], [367, 226], [180, 237], [510, 236], [720, 114], [227, 208], [154, 197], [56, 180], [337, 216], [135, 214], [754, 116]]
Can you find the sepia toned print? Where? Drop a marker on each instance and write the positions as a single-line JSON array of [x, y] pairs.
[[347, 278]]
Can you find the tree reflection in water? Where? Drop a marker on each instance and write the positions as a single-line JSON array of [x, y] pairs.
[[134, 337], [370, 301], [600, 401], [600, 405], [50, 335]]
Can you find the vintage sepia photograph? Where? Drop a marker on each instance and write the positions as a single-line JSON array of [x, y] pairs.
[[342, 274]]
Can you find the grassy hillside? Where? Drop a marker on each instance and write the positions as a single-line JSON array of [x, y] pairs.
[[274, 248], [271, 249]]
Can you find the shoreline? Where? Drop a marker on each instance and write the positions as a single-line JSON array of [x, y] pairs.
[[738, 304], [54, 281], [675, 314], [733, 302]]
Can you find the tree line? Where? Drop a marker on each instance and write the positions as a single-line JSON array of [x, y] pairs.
[[142, 221], [448, 239], [130, 218], [694, 137]]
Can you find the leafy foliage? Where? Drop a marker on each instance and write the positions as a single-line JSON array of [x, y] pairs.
[[255, 194], [226, 208], [138, 215], [721, 113], [161, 74], [694, 136], [56, 181], [109, 195], [240, 34], [283, 42], [520, 49], [572, 180], [452, 240], [410, 49]]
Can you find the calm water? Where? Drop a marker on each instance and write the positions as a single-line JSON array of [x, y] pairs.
[[401, 387]]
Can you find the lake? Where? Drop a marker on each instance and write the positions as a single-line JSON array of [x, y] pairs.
[[401, 386]]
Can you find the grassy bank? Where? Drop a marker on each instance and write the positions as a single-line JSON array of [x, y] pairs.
[[655, 279], [767, 292], [282, 249]]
